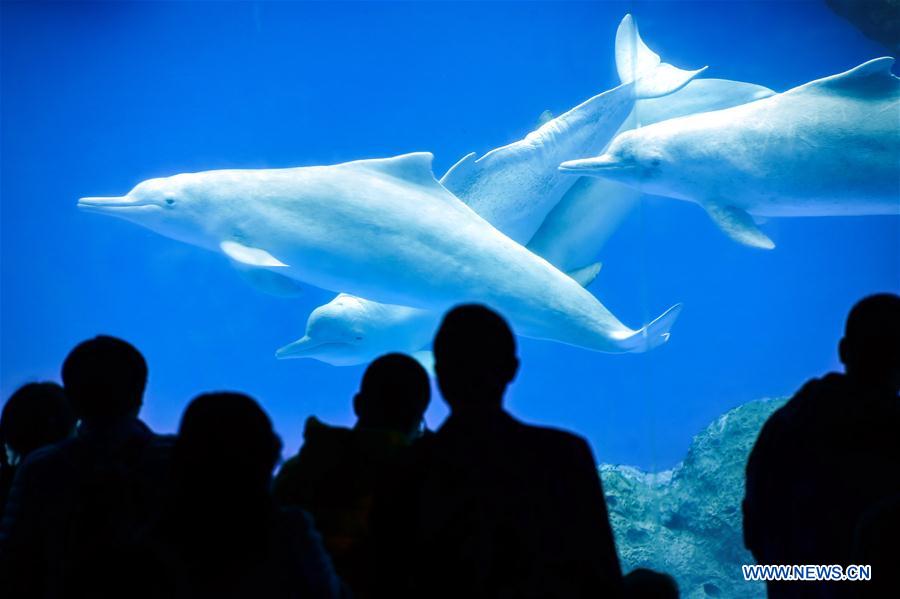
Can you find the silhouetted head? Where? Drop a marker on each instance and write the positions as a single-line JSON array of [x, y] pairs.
[[393, 395], [474, 357], [37, 414], [226, 444], [105, 379], [643, 583], [870, 349]]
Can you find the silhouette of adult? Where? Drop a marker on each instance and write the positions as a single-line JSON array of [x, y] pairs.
[[36, 415], [223, 536], [335, 474], [489, 506], [876, 545], [74, 504], [829, 454]]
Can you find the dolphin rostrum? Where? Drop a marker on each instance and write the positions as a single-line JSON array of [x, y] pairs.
[[383, 229], [827, 148]]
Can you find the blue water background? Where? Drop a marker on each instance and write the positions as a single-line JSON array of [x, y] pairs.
[[97, 97]]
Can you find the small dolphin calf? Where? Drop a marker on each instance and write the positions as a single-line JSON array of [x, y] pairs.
[[351, 330], [382, 229], [829, 147], [515, 186]]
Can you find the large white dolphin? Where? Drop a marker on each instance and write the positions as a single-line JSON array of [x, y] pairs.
[[382, 229], [515, 186], [351, 330], [580, 224], [829, 147]]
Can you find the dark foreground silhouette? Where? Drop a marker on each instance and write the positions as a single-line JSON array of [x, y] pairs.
[[642, 583], [828, 456], [222, 535], [488, 506], [336, 472], [36, 415], [74, 506]]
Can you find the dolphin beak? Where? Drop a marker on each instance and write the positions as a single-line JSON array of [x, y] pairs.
[[122, 206], [301, 348], [587, 166], [101, 202]]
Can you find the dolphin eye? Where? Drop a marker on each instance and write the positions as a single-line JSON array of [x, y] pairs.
[[170, 201], [359, 338]]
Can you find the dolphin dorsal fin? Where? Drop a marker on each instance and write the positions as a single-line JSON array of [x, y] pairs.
[[545, 118], [872, 77], [459, 172], [413, 168]]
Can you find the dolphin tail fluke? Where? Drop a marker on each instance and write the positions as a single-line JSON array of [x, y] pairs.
[[654, 334], [637, 63]]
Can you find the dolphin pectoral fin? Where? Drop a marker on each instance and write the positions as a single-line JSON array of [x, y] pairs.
[[250, 256], [738, 225], [636, 63], [585, 275], [269, 282]]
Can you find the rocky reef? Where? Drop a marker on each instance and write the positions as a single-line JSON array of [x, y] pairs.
[[877, 19], [687, 521]]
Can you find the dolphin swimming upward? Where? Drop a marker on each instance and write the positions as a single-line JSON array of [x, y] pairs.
[[382, 229], [829, 147], [515, 186]]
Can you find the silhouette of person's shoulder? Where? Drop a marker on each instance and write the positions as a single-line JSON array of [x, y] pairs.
[[497, 429], [323, 446]]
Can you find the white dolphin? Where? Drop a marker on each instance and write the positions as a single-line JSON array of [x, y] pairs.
[[382, 229], [515, 186], [580, 224], [829, 147]]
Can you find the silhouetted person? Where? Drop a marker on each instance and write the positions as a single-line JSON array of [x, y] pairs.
[[877, 544], [829, 454], [488, 506], [335, 474], [642, 583], [75, 504], [223, 536], [36, 415]]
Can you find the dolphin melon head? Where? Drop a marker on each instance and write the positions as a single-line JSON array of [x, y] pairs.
[[171, 206], [631, 158], [335, 334]]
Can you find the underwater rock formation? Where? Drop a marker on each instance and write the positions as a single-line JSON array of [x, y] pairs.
[[878, 20], [687, 521]]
